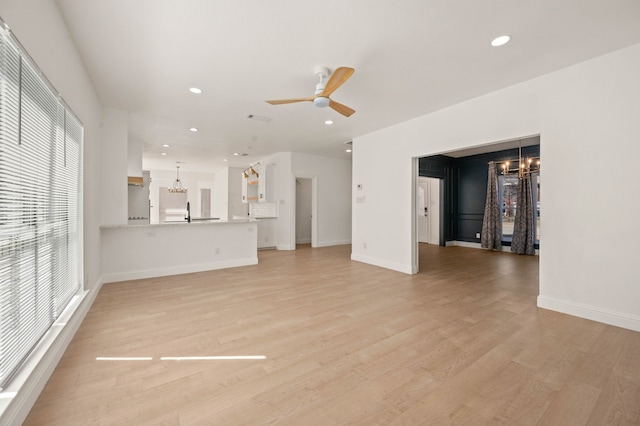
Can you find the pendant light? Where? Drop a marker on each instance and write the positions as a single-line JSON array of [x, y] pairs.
[[177, 184]]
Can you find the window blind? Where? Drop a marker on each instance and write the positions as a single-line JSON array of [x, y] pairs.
[[40, 194]]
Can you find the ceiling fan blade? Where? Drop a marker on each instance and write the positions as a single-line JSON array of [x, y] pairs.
[[342, 109], [336, 80], [290, 101]]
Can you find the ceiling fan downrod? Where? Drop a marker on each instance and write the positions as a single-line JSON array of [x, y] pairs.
[[321, 101]]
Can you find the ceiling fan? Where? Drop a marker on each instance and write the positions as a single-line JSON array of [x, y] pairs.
[[324, 90]]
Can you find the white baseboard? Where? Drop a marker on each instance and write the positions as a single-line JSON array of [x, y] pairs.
[[477, 246], [178, 270], [631, 322], [407, 269], [22, 392], [332, 243]]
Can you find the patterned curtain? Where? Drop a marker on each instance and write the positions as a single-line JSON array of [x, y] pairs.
[[523, 228], [492, 222]]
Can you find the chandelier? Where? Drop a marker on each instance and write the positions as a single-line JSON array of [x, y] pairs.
[[177, 184], [524, 165]]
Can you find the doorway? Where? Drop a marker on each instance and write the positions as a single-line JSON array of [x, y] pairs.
[[303, 211], [463, 186], [305, 223]]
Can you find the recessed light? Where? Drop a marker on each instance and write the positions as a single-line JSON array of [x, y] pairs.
[[500, 41], [224, 159], [236, 154], [195, 90], [163, 153], [165, 145], [328, 122], [194, 129], [348, 150]]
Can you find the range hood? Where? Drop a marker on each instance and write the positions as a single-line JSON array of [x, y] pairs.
[[135, 180]]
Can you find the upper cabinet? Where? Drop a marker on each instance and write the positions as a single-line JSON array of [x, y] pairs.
[[259, 187], [269, 184], [250, 187]]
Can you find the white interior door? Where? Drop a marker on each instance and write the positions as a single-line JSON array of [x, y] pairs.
[[434, 211], [423, 222], [428, 210]]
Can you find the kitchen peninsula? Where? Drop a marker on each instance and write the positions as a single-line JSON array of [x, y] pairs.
[[144, 251]]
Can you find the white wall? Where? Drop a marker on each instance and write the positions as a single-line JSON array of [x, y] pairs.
[[115, 149], [587, 116], [234, 193], [220, 194], [226, 194], [134, 157], [333, 215]]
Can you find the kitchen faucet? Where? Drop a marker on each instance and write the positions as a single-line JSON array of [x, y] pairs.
[[188, 213]]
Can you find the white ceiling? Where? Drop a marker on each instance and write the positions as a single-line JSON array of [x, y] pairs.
[[411, 57]]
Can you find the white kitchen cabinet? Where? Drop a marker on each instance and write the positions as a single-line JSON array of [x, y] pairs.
[[245, 193], [267, 184], [261, 187], [267, 233], [250, 188]]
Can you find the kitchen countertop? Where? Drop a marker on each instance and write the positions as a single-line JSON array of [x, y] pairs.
[[193, 223]]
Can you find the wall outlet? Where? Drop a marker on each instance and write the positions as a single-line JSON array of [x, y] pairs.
[[218, 250], [477, 235], [364, 246], [151, 233]]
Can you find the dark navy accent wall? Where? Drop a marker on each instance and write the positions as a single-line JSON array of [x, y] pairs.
[[435, 166], [471, 195], [465, 189]]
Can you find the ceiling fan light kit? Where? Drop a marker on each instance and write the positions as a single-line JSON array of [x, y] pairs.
[[321, 98], [321, 101]]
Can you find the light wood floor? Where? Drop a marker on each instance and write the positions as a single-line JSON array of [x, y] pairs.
[[345, 343]]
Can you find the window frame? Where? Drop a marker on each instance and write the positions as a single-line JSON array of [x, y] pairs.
[[41, 227]]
